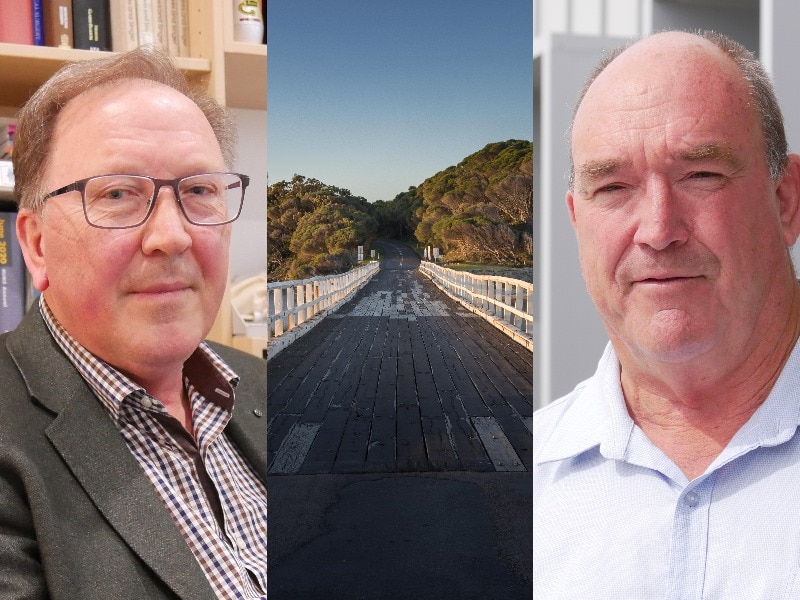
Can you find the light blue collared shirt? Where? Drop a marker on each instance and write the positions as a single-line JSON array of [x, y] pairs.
[[614, 518]]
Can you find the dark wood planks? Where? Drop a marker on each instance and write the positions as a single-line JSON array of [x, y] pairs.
[[396, 380]]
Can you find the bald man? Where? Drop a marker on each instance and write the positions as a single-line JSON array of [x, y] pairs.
[[673, 472]]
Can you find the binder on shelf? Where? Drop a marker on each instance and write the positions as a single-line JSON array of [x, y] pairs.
[[91, 24], [16, 21], [13, 287], [58, 23], [38, 22]]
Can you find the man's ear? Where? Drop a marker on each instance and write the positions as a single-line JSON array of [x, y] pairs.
[[788, 194], [571, 207], [29, 234]]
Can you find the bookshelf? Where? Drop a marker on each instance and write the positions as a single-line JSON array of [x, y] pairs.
[[233, 73]]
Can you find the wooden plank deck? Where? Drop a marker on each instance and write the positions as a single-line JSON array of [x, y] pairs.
[[400, 378]]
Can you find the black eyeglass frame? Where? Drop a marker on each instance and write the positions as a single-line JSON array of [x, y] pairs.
[[80, 186]]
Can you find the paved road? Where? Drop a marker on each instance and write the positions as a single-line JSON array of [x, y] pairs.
[[399, 444]]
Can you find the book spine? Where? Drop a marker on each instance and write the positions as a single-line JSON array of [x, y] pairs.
[[16, 21], [38, 23], [184, 28], [12, 274], [173, 27], [124, 27], [160, 32], [91, 24], [58, 23], [144, 21]]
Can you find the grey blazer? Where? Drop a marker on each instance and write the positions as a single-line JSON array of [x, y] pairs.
[[78, 516]]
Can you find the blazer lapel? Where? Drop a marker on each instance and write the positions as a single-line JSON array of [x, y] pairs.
[[95, 452]]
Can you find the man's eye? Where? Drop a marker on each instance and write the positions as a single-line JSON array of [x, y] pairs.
[[611, 187], [119, 194]]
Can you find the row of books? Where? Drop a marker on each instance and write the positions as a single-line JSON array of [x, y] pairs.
[[16, 291], [117, 25], [13, 280]]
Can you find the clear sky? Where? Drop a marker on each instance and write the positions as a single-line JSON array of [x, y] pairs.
[[378, 95]]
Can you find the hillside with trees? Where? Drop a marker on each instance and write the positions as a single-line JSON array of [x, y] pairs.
[[479, 210], [314, 229]]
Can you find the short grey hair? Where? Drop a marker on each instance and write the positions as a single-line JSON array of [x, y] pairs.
[[37, 120]]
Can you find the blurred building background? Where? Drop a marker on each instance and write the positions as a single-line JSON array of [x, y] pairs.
[[570, 37]]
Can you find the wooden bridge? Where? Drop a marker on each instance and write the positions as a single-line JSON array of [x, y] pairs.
[[400, 379]]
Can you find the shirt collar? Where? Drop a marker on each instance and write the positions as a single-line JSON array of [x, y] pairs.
[[205, 370], [597, 416]]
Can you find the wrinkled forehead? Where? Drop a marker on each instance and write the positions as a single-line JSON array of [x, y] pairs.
[[672, 85]]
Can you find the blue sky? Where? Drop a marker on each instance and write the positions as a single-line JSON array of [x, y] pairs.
[[378, 95]]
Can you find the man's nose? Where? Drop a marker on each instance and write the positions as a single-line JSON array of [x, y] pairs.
[[166, 229], [661, 218]]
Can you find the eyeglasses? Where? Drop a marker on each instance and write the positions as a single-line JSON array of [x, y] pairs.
[[123, 201]]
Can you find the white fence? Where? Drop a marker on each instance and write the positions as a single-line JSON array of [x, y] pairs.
[[293, 303], [505, 302]]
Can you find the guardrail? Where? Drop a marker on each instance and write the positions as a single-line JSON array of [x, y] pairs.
[[505, 302], [291, 304]]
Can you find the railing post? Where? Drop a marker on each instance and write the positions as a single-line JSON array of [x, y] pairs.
[[498, 296], [508, 301], [291, 317], [278, 307], [301, 312], [520, 305], [309, 299], [316, 294], [529, 303]]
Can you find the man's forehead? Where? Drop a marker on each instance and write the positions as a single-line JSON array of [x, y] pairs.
[[653, 65]]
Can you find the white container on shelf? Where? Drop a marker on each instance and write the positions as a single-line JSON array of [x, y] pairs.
[[248, 24]]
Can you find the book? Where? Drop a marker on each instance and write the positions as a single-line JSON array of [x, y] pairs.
[[160, 32], [16, 21], [184, 25], [174, 27], [58, 23], [124, 25], [38, 22], [13, 287], [91, 24], [144, 22]]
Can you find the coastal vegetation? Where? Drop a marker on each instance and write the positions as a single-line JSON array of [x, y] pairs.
[[479, 210]]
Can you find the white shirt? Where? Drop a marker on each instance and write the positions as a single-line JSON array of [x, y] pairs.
[[614, 518]]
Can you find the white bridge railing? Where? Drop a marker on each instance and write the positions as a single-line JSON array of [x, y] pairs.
[[505, 302], [293, 303]]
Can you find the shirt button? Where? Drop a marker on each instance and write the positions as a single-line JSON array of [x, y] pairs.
[[692, 499], [238, 542], [147, 402]]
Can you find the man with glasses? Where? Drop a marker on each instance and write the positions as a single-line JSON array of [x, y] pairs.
[[132, 452]]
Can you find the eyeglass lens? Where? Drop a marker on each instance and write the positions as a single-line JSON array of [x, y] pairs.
[[124, 200]]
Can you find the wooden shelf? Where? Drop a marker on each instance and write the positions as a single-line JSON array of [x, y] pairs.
[[25, 67], [245, 68], [246, 75]]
